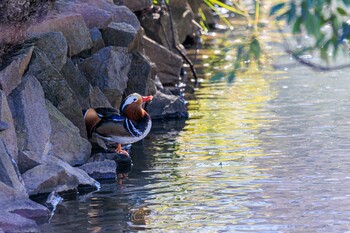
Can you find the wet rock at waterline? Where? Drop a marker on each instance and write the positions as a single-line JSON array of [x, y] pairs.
[[66, 142], [108, 69], [17, 211], [59, 176], [32, 123], [167, 106], [101, 169]]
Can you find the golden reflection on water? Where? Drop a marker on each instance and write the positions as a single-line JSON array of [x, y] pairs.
[[209, 175]]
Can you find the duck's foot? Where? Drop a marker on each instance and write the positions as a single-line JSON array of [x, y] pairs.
[[119, 150]]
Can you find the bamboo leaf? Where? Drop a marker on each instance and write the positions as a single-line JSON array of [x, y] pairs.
[[341, 11], [296, 26], [276, 8]]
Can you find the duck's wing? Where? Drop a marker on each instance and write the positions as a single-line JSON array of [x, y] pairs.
[[108, 113], [112, 128]]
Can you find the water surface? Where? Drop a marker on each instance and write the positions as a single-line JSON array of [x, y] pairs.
[[267, 150]]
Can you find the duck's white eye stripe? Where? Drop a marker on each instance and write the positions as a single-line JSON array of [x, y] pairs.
[[127, 102]]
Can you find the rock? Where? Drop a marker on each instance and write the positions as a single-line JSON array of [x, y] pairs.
[[13, 68], [98, 99], [57, 89], [182, 16], [17, 202], [141, 76], [135, 5], [55, 175], [167, 106], [54, 45], [3, 126], [66, 141], [9, 135], [9, 173], [32, 123], [124, 163], [97, 40], [100, 170], [72, 27], [18, 11], [108, 69], [77, 82], [160, 28], [15, 223], [87, 95], [119, 34], [168, 63], [97, 13]]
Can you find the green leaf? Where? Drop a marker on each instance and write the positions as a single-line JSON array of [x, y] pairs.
[[217, 77], [276, 8], [296, 26], [231, 77], [346, 2], [341, 11], [291, 12], [324, 54]]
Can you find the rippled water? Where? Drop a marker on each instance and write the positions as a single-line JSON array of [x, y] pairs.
[[268, 152]]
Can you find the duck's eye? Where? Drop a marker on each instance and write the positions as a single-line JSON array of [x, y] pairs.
[[135, 100]]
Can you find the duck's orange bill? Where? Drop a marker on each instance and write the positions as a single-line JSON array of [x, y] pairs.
[[147, 98]]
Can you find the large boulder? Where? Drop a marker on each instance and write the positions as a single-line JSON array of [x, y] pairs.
[[119, 34], [167, 106], [57, 89], [168, 63], [67, 144], [72, 27], [18, 203], [135, 5], [32, 123], [9, 135], [9, 173], [18, 212], [13, 67], [54, 45], [56, 175], [108, 69], [97, 13], [141, 76]]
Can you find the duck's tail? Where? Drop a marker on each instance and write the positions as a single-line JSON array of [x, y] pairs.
[[91, 119]]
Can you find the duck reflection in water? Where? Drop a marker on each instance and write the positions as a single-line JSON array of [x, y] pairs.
[[123, 170]]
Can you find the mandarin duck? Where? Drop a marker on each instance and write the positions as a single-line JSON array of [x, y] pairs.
[[105, 125]]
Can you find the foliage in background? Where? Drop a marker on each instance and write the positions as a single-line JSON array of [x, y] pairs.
[[326, 21]]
